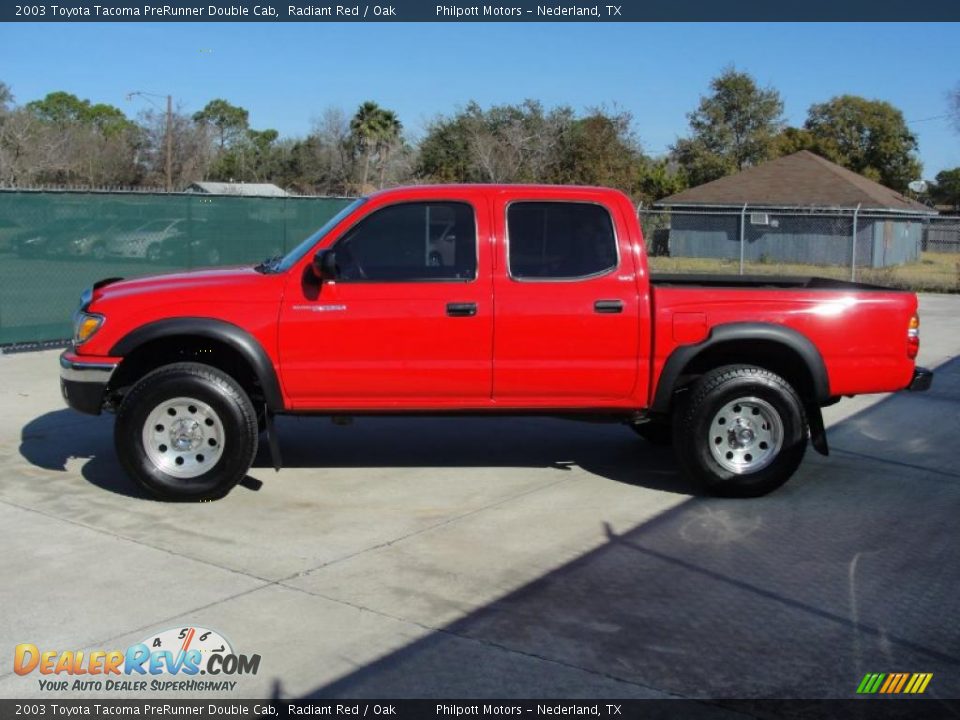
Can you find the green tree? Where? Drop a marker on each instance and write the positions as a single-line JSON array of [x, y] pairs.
[[792, 139], [869, 137], [530, 143], [946, 188], [252, 158], [230, 122], [367, 127], [76, 141], [59, 108], [444, 152], [598, 149], [63, 109], [734, 127], [660, 178]]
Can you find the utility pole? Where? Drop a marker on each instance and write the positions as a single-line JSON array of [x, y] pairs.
[[168, 131], [169, 143]]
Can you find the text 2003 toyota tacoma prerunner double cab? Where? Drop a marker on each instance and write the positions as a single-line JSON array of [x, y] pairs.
[[481, 299]]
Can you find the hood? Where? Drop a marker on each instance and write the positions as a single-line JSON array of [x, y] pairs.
[[210, 284]]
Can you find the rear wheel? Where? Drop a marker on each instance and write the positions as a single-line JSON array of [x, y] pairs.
[[186, 432], [741, 432]]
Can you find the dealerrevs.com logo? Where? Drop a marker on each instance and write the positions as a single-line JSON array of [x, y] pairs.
[[168, 661]]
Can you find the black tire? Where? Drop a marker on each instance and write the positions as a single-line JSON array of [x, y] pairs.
[[153, 253], [712, 414], [655, 432], [235, 426]]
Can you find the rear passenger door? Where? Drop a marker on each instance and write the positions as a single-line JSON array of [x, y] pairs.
[[566, 322]]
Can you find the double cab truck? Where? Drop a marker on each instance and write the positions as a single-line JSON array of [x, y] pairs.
[[481, 299]]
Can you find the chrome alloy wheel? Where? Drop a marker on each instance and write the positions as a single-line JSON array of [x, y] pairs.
[[746, 435], [183, 437]]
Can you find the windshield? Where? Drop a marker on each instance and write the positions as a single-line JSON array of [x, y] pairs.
[[303, 248]]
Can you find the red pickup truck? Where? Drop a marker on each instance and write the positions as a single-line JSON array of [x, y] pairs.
[[481, 299]]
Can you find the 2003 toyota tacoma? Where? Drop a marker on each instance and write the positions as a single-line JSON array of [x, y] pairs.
[[481, 299]]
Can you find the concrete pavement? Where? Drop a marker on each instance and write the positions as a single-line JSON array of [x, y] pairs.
[[500, 557]]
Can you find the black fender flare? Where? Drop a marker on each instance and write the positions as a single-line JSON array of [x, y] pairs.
[[229, 334], [800, 344]]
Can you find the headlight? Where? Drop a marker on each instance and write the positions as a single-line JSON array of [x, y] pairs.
[[85, 326]]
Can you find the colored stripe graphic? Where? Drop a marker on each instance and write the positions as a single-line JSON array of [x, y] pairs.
[[894, 683], [903, 681]]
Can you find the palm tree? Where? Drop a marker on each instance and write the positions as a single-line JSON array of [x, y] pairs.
[[389, 137], [366, 127]]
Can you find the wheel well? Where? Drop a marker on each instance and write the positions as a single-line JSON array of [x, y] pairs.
[[770, 355], [184, 348]]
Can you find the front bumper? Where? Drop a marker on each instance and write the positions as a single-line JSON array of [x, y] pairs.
[[922, 378], [83, 382]]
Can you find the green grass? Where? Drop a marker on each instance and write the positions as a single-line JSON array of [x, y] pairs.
[[934, 272]]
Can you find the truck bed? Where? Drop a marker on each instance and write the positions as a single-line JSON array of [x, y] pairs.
[[763, 281]]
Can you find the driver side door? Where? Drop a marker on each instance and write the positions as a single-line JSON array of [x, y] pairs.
[[408, 320]]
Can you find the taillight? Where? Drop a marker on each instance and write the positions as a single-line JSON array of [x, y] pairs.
[[913, 337]]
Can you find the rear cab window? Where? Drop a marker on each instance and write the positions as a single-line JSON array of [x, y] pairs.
[[559, 240]]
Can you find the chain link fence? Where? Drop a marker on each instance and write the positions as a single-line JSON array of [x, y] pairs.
[[53, 244], [914, 251]]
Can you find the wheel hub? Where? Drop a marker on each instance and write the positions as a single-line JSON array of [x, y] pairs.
[[186, 434], [183, 437], [746, 435], [743, 435]]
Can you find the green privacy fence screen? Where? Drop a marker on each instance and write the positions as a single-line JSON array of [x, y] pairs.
[[53, 244]]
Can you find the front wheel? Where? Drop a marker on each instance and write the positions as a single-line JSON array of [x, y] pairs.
[[741, 432], [186, 431]]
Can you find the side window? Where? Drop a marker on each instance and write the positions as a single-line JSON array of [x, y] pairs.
[[560, 240], [411, 242]]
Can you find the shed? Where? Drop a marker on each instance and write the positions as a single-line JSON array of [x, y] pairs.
[[800, 208]]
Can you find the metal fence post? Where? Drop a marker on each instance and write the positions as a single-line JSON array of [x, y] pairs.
[[853, 254], [743, 229]]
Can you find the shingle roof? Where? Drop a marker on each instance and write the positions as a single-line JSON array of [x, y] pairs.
[[802, 179], [245, 189]]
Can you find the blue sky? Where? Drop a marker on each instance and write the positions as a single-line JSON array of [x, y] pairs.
[[287, 73]]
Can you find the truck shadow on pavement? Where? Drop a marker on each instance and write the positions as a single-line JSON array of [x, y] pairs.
[[849, 569], [607, 450]]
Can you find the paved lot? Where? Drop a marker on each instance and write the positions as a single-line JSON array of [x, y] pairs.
[[493, 557]]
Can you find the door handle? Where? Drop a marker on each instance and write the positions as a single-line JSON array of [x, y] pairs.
[[461, 309], [608, 306]]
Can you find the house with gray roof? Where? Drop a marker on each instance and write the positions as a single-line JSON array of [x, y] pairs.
[[800, 208]]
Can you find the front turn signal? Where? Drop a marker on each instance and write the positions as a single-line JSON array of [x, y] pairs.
[[86, 326]]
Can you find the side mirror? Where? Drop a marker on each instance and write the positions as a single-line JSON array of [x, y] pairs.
[[325, 265]]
